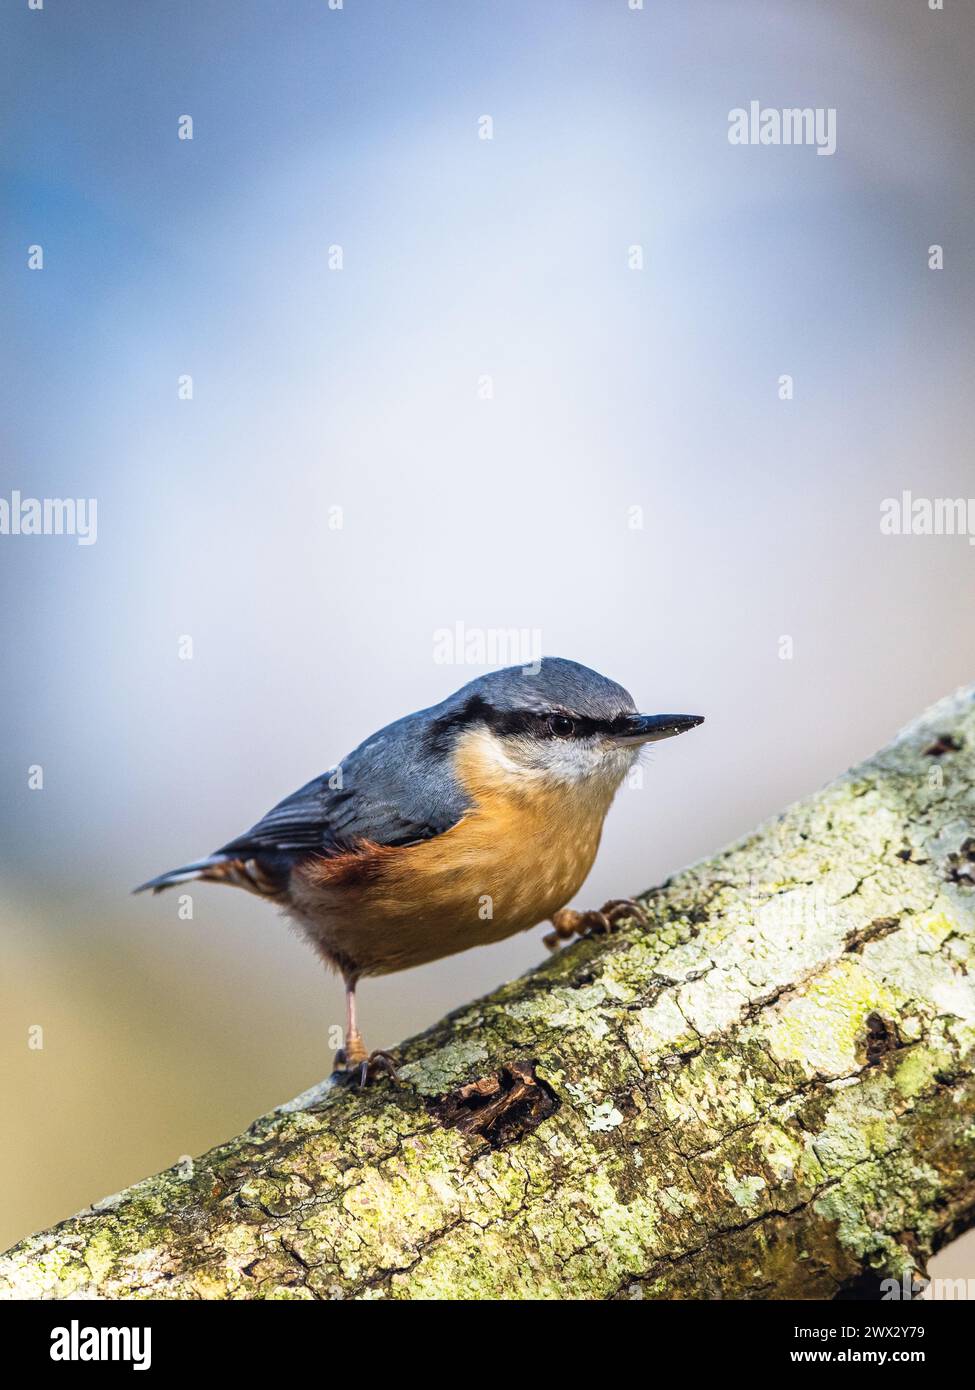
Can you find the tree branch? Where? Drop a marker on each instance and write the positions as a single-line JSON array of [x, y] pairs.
[[768, 1093]]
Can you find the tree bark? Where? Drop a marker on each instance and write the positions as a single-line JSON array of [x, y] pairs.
[[768, 1092]]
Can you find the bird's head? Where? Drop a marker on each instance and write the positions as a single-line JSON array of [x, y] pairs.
[[556, 722]]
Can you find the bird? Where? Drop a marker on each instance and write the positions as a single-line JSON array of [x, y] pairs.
[[452, 827]]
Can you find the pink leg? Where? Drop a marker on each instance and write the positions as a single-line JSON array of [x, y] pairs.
[[354, 1059]]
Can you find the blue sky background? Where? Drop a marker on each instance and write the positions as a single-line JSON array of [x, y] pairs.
[[312, 389]]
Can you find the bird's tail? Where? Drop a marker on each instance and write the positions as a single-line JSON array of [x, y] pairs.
[[265, 877], [216, 868]]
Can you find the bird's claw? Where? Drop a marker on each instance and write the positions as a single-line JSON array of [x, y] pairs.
[[361, 1071], [596, 922]]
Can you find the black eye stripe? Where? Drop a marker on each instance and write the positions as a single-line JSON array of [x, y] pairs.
[[536, 723]]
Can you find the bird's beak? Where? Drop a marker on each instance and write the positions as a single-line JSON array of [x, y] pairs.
[[650, 728]]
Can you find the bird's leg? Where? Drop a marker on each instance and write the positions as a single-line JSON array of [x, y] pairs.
[[354, 1052], [353, 1060], [568, 923]]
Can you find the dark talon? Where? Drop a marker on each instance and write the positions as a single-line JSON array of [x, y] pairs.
[[596, 922], [363, 1073], [619, 908], [375, 1063]]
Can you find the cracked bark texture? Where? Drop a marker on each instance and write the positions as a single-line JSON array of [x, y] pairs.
[[769, 1092]]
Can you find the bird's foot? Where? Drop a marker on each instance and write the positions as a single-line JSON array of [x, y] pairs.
[[568, 923], [360, 1068]]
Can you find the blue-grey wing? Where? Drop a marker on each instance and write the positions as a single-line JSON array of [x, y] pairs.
[[390, 791], [324, 819]]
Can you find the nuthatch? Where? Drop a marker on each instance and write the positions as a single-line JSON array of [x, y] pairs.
[[455, 826]]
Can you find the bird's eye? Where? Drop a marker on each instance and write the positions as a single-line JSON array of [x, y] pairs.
[[561, 725]]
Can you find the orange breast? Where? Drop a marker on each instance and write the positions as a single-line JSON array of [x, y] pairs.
[[520, 854]]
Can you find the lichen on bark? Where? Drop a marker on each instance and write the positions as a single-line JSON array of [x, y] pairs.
[[767, 1092]]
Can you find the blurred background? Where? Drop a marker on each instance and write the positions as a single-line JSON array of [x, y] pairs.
[[486, 417]]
